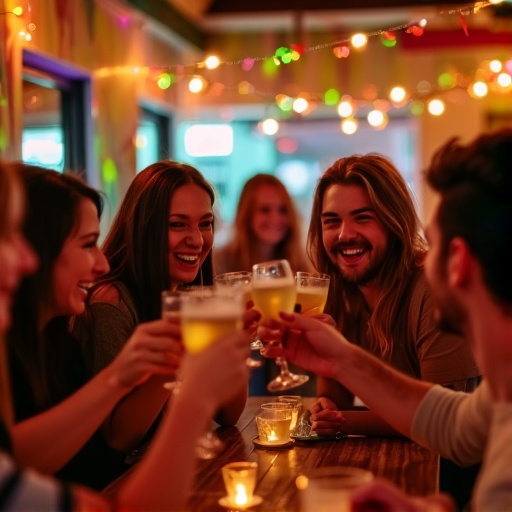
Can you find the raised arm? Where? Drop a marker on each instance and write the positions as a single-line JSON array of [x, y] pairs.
[[161, 481], [103, 330], [318, 347], [49, 440]]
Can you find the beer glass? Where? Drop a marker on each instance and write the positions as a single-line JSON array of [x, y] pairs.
[[274, 290], [241, 280], [205, 315], [312, 292]]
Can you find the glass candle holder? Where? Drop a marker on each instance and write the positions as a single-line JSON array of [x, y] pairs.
[[274, 425], [328, 489], [240, 481]]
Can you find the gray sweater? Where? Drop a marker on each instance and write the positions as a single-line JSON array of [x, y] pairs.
[[469, 428]]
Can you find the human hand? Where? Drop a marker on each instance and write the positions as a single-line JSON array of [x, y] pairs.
[[326, 418], [201, 376], [326, 319], [251, 318], [308, 342], [153, 348], [382, 496]]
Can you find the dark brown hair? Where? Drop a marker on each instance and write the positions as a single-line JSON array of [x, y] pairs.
[[137, 247], [475, 183], [45, 358]]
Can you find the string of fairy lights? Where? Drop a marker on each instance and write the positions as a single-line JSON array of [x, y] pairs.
[[494, 76]]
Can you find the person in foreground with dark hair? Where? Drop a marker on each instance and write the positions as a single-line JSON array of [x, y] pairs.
[[469, 273]]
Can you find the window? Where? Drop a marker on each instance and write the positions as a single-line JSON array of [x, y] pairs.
[[56, 123], [152, 138]]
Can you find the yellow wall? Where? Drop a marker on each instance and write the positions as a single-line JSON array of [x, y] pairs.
[[107, 39]]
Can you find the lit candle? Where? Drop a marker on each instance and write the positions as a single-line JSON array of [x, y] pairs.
[[274, 426], [240, 481], [241, 495]]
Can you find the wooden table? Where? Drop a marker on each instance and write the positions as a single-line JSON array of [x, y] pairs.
[[411, 467]]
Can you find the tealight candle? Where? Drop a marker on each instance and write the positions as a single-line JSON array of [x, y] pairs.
[[274, 425], [240, 481]]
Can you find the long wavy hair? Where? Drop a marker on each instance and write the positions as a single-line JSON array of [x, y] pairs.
[[46, 356], [393, 205], [137, 246], [242, 247]]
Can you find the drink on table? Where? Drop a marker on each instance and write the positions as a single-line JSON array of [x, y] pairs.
[[295, 402]]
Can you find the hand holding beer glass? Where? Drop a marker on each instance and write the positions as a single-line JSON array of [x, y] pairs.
[[206, 314], [274, 290]]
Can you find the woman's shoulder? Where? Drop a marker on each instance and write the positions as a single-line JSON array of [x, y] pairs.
[[115, 293]]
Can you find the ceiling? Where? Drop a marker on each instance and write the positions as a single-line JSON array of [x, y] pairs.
[[195, 20]]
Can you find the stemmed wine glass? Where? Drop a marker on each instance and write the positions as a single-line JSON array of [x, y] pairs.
[[242, 281], [274, 290]]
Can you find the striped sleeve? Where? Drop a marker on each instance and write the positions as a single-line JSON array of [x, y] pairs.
[[27, 490]]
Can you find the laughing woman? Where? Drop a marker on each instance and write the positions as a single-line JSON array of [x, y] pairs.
[[58, 407], [161, 238], [163, 478]]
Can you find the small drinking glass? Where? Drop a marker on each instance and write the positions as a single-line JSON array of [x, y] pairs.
[[295, 402], [328, 489], [274, 290], [171, 306], [240, 482]]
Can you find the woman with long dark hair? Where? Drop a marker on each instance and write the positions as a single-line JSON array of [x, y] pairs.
[[160, 239]]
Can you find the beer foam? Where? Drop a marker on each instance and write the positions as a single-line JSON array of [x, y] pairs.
[[273, 282], [212, 311]]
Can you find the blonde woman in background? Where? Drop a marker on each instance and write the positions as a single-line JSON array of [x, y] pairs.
[[266, 227]]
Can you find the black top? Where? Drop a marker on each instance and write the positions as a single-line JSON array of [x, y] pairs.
[[96, 464]]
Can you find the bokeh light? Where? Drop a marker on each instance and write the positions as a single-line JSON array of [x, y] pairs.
[[436, 107]]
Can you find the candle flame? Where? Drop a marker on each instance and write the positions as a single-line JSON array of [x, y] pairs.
[[272, 436], [241, 496]]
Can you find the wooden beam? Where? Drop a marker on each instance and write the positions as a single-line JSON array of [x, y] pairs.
[[164, 13], [237, 6]]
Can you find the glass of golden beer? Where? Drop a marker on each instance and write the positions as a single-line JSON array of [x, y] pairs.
[[207, 314], [274, 290], [312, 290]]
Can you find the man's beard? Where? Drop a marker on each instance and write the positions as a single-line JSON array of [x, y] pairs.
[[449, 316], [369, 273]]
